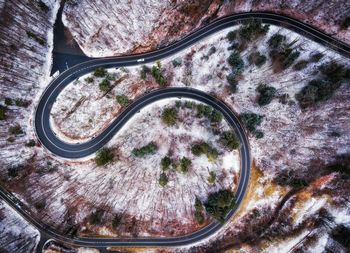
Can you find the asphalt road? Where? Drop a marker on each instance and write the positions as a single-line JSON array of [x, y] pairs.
[[60, 148]]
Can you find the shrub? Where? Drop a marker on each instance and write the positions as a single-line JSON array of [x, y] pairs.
[[199, 217], [257, 59], [96, 217], [229, 140], [3, 110], [251, 121], [345, 23], [204, 110], [185, 163], [231, 79], [288, 178], [116, 220], [204, 148], [30, 143], [163, 179], [15, 130], [316, 91], [8, 101], [212, 177], [333, 71], [122, 100], [235, 60], [169, 116], [89, 79], [149, 149], [316, 57], [104, 85], [165, 162], [198, 204], [144, 71], [177, 62], [158, 75], [266, 94], [215, 116], [219, 204], [103, 156], [231, 36], [276, 41], [22, 103], [300, 65], [100, 72]]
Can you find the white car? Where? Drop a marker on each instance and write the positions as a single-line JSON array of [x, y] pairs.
[[141, 60]]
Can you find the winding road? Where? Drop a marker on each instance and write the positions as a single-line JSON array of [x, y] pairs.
[[74, 151]]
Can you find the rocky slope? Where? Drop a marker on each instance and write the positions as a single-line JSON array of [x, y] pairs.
[[104, 28]]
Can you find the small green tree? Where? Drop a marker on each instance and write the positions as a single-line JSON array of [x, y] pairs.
[[89, 79], [267, 94], [169, 116], [158, 75], [165, 163], [123, 100], [251, 121], [257, 59], [104, 85], [149, 149], [100, 72], [199, 217], [215, 116], [144, 71], [8, 101], [185, 163], [96, 217], [229, 140], [219, 204], [163, 179], [103, 156]]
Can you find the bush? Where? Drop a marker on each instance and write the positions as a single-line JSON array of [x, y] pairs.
[[96, 217], [267, 94], [316, 57], [316, 91], [165, 163], [204, 148], [185, 163], [229, 140], [215, 116], [257, 59], [276, 41], [204, 110], [116, 221], [199, 217], [3, 110], [158, 75], [15, 130], [122, 100], [288, 178], [333, 71], [300, 65], [198, 204], [251, 121], [144, 71], [89, 79], [219, 204], [22, 103], [8, 101], [177, 62], [104, 85], [30, 143], [212, 177], [169, 116], [235, 60], [100, 72], [345, 23], [149, 149], [231, 36], [231, 79], [103, 156], [163, 179]]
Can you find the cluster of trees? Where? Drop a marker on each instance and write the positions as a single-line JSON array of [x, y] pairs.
[[104, 156], [204, 148], [229, 140], [122, 100], [302, 64], [208, 112], [219, 204], [251, 121], [266, 94], [149, 149], [169, 116], [332, 74], [290, 178], [282, 53]]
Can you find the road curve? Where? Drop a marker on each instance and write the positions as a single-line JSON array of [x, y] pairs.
[[52, 143]]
